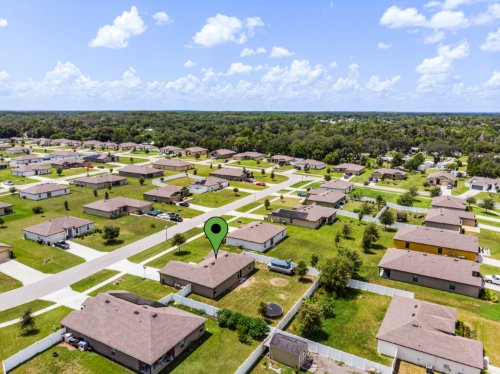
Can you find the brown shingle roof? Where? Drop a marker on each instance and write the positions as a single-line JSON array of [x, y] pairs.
[[310, 162], [256, 232], [26, 158], [116, 203], [389, 171], [31, 167], [283, 158], [445, 216], [138, 169], [209, 272], [338, 184], [107, 178], [430, 265], [143, 330], [350, 167], [5, 205], [321, 196], [172, 162], [165, 191], [428, 328], [438, 238], [64, 153], [57, 225], [196, 149], [44, 188], [442, 174], [229, 172], [448, 202], [225, 152]]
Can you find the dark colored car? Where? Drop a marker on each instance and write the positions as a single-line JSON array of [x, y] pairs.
[[154, 213], [184, 204], [176, 219], [62, 245], [301, 194]]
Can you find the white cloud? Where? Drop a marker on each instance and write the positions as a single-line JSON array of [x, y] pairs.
[[299, 72], [395, 17], [494, 81], [432, 4], [382, 45], [162, 18], [350, 82], [492, 14], [250, 52], [225, 29], [3, 22], [278, 52], [333, 64], [239, 68], [116, 35], [189, 64], [376, 84], [447, 19], [492, 42], [452, 4], [3, 75], [435, 37]]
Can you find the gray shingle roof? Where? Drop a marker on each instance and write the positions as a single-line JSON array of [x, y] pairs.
[[448, 202], [288, 344], [256, 232], [44, 188], [57, 225]]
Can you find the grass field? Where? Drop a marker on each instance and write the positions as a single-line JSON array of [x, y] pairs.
[[392, 197], [135, 160], [16, 312], [354, 327], [247, 185], [288, 202], [257, 164], [144, 287], [93, 280], [217, 198], [278, 178], [11, 341], [6, 175], [484, 195], [262, 286], [8, 283], [488, 239], [460, 188], [71, 172], [413, 179]]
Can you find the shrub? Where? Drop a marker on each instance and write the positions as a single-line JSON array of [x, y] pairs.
[[246, 327], [488, 295], [37, 210]]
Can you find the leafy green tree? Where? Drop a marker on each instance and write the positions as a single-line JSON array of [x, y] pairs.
[[106, 195], [142, 181], [59, 171], [406, 199], [386, 218], [37, 209], [314, 260], [235, 190], [262, 171], [346, 230], [110, 233], [66, 205], [262, 309], [435, 191], [272, 174], [370, 236], [309, 318], [487, 204], [178, 240], [471, 200], [301, 269], [413, 190], [95, 193], [267, 203], [397, 160], [27, 322]]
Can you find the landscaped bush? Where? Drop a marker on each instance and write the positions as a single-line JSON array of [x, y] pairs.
[[37, 210], [246, 327], [488, 295]]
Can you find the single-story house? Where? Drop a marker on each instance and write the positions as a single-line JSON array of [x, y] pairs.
[[427, 164], [93, 144], [388, 174], [111, 146], [101, 181], [117, 207], [211, 277], [69, 163], [339, 185], [434, 271], [174, 164], [437, 241], [483, 184], [310, 216], [25, 160], [449, 219], [130, 146], [288, 350], [167, 194], [310, 164], [16, 150], [58, 229], [222, 153], [442, 178], [233, 174], [249, 156], [4, 146], [138, 333], [101, 158], [65, 155], [44, 191], [208, 184], [170, 149], [282, 159], [327, 198], [137, 171], [423, 334], [348, 168], [256, 236], [5, 209], [448, 202], [5, 252], [150, 148], [29, 170], [193, 151]]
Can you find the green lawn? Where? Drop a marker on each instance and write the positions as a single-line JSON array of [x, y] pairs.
[[286, 202], [16, 312], [257, 164], [278, 178], [144, 255], [488, 239], [93, 280], [69, 361], [70, 172], [8, 283], [491, 223], [247, 185], [460, 188], [354, 327], [392, 197], [300, 184], [202, 170], [262, 286], [144, 287], [6, 175], [413, 179], [495, 213], [217, 198], [135, 160], [413, 218], [484, 195], [12, 342]]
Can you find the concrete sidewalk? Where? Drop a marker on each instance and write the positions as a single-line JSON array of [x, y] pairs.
[[82, 251], [21, 272]]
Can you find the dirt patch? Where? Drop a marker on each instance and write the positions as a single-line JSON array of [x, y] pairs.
[[279, 282], [249, 282], [282, 296], [118, 281], [67, 346]]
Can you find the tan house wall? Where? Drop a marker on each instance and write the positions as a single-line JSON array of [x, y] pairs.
[[6, 210], [443, 181], [287, 358], [4, 254], [445, 226]]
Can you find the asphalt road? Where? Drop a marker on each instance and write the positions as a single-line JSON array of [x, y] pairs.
[[67, 277]]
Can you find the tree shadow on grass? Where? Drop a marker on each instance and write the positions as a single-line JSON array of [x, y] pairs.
[[113, 242], [190, 349], [30, 333], [182, 253]]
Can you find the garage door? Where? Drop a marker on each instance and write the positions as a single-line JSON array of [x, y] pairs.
[[475, 187]]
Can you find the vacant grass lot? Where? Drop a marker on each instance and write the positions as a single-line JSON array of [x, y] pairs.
[[413, 179], [93, 280], [72, 172], [392, 197], [257, 164], [247, 185], [484, 195], [11, 341], [16, 312], [354, 327], [460, 188], [131, 160], [262, 286], [266, 178], [8, 283], [144, 287], [202, 170], [217, 198], [488, 239], [288, 202]]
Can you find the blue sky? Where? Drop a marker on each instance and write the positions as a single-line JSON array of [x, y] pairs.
[[435, 55]]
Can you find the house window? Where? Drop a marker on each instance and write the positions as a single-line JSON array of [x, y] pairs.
[[201, 330], [415, 278], [182, 344], [407, 245], [113, 352], [452, 286], [440, 251]]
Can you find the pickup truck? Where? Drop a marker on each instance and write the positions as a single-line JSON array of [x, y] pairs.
[[495, 279]]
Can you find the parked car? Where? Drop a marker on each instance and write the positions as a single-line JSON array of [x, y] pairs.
[[301, 194], [163, 216], [8, 183], [281, 266], [154, 213], [260, 184], [225, 161], [71, 182], [176, 219], [450, 186], [101, 167], [62, 245], [248, 180], [184, 204], [494, 279], [90, 166]]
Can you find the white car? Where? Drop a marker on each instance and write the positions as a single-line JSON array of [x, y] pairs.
[[495, 279], [8, 183], [163, 216]]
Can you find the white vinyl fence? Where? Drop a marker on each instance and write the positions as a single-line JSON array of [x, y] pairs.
[[412, 209], [185, 291], [252, 359], [31, 351], [288, 317], [193, 304], [381, 290], [266, 259]]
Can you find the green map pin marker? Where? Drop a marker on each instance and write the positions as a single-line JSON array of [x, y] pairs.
[[216, 230]]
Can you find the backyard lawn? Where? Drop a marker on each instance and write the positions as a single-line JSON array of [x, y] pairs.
[[262, 286], [247, 185], [266, 178], [489, 240], [276, 202], [460, 188], [8, 283], [392, 197], [355, 324], [144, 287], [217, 198], [93, 280], [135, 160]]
